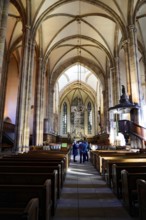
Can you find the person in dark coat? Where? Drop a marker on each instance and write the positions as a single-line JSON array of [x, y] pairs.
[[87, 150], [75, 151], [82, 149]]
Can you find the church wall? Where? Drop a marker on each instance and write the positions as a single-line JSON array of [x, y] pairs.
[[11, 91]]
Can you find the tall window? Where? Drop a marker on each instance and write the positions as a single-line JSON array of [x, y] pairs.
[[89, 109], [64, 118]]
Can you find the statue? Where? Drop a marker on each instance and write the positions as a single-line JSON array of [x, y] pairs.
[[123, 90]]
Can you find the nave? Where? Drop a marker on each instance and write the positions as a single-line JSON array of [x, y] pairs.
[[85, 196]]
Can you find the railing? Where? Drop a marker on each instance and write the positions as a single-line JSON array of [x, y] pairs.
[[126, 126]]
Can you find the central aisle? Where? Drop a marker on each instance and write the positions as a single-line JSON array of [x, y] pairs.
[[85, 196]]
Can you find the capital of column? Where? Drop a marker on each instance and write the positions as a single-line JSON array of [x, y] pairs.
[[132, 28], [26, 28], [116, 59]]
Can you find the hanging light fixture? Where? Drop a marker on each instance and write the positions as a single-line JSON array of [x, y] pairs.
[[80, 106]]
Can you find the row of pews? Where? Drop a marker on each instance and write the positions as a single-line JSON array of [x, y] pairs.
[[31, 183], [125, 173]]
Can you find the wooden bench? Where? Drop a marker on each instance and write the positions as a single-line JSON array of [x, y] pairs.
[[128, 161], [35, 169], [95, 153], [32, 163], [12, 195], [116, 175], [129, 190], [33, 179], [29, 212], [109, 154], [61, 154], [41, 158], [96, 156], [117, 157], [141, 189]]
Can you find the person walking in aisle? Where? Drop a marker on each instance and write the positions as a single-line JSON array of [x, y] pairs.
[[75, 151], [82, 149], [87, 150]]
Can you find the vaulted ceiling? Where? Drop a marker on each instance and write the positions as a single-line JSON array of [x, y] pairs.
[[68, 30]]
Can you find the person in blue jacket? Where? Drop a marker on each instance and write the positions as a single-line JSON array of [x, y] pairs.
[[75, 151], [82, 149]]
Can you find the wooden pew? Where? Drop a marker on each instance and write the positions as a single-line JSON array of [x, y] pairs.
[[117, 157], [58, 154], [129, 190], [141, 189], [29, 212], [128, 161], [33, 179], [95, 153], [34, 169], [36, 163], [116, 175], [96, 156], [112, 154], [12, 195], [40, 157]]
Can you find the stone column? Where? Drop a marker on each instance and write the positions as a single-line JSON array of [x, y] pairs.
[[128, 79], [112, 87], [134, 65], [50, 108], [24, 94], [106, 104], [109, 83], [30, 69], [4, 5], [117, 79], [39, 106], [42, 106]]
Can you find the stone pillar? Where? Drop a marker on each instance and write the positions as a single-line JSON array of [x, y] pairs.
[[39, 106], [50, 109], [42, 106], [24, 94], [117, 79], [134, 65], [29, 91], [4, 6], [128, 79], [109, 83], [106, 104], [112, 87]]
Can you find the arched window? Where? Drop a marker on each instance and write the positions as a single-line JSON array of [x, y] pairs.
[[89, 120], [64, 118]]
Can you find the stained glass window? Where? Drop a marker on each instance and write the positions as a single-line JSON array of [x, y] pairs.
[[89, 115], [64, 118]]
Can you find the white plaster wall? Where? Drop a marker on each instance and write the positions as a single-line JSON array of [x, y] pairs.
[[11, 91]]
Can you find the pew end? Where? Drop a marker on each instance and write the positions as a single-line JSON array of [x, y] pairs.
[[141, 188]]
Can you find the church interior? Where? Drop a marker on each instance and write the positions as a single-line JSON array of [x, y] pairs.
[[72, 71]]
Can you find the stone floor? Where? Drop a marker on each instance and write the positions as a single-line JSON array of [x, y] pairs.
[[85, 196]]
